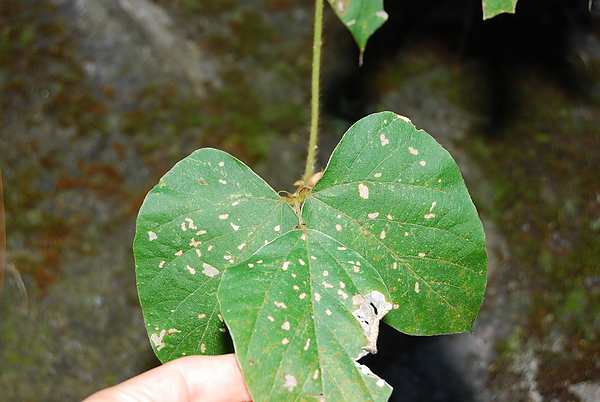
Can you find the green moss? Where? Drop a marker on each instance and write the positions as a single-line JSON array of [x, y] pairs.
[[543, 169]]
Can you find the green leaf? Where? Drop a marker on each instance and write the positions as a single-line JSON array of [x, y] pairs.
[[491, 8], [205, 215], [290, 310], [395, 196], [361, 17], [389, 232]]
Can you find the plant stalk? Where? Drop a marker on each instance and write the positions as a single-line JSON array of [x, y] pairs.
[[315, 91]]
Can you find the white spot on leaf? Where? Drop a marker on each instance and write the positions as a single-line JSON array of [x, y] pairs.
[[285, 341], [363, 191], [192, 270], [271, 318], [328, 312], [200, 232], [307, 344], [325, 273], [222, 181], [302, 296], [372, 308], [280, 304], [161, 264], [190, 222], [203, 348], [194, 243], [382, 14], [277, 228], [373, 215], [382, 235], [224, 216], [429, 216], [377, 174], [422, 255], [327, 285], [241, 246], [343, 294], [417, 290], [301, 261], [179, 253], [286, 326], [221, 164], [384, 141], [422, 163], [290, 382], [209, 270], [342, 248], [413, 151], [201, 316], [338, 227], [285, 265], [351, 22], [317, 297], [157, 339], [234, 226], [152, 236]]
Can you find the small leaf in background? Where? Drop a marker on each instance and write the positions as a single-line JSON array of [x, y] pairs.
[[361, 17], [393, 195], [294, 309], [209, 212], [491, 8]]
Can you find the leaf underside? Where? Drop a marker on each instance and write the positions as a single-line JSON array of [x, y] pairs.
[[492, 8], [361, 17], [389, 228]]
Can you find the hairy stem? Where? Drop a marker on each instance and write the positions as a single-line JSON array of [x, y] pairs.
[[314, 96]]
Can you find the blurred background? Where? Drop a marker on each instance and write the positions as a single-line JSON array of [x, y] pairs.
[[99, 98]]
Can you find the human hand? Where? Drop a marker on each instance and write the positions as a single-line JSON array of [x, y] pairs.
[[190, 378]]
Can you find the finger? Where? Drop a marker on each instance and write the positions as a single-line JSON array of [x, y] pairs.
[[191, 378]]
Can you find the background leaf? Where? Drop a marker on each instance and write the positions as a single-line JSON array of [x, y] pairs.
[[290, 308], [395, 196], [206, 214], [491, 8], [361, 17]]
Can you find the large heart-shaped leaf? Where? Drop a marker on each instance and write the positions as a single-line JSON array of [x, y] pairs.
[[206, 214], [290, 310], [395, 196]]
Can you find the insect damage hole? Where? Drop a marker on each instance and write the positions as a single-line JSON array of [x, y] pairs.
[[371, 309]]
